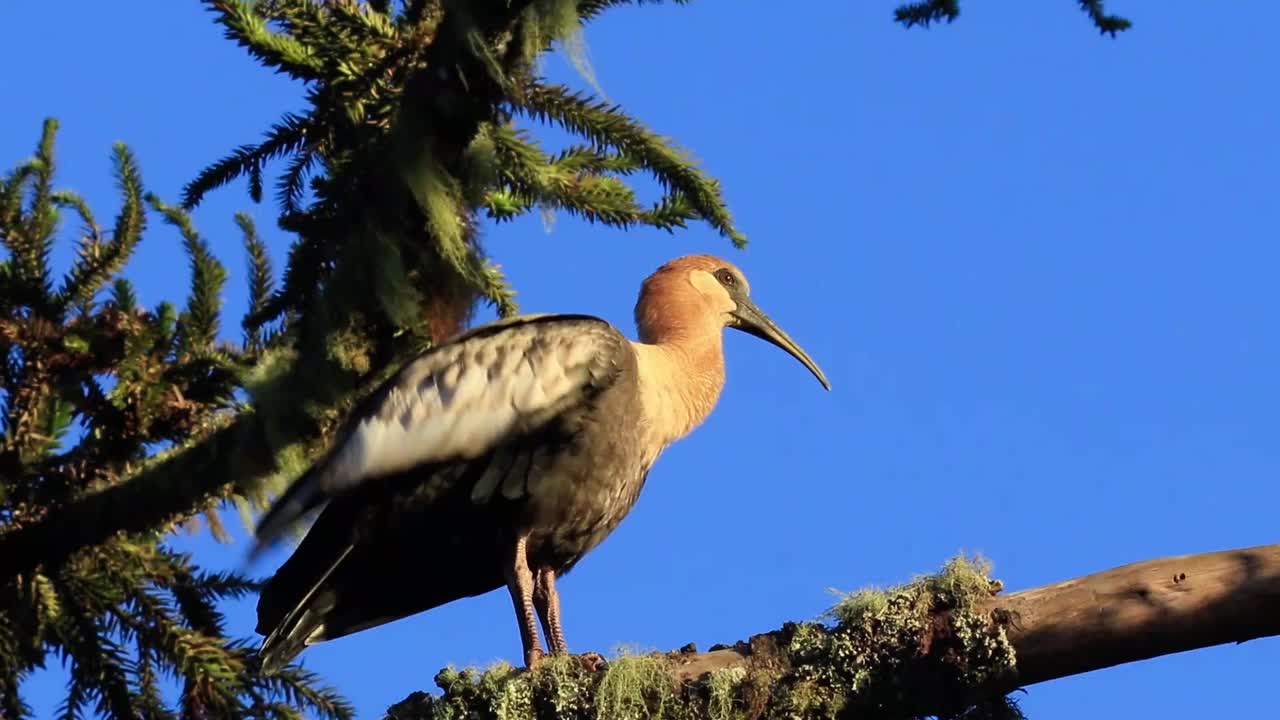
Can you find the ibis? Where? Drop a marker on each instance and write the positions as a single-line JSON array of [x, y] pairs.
[[501, 458]]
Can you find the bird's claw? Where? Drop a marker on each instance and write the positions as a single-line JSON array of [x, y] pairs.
[[533, 657]]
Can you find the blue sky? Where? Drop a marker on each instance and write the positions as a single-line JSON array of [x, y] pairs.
[[1038, 266]]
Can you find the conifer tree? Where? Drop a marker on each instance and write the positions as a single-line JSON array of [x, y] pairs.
[[89, 383]]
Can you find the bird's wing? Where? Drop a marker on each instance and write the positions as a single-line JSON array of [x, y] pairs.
[[459, 401]]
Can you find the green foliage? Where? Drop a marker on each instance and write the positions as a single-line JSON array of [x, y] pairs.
[[199, 323], [124, 613], [28, 232], [1106, 24], [927, 12], [611, 130], [261, 282], [361, 61], [248, 27], [929, 648], [98, 259]]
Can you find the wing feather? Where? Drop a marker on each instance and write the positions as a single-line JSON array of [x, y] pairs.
[[499, 464], [460, 401]]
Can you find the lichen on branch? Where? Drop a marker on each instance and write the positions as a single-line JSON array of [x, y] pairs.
[[930, 647]]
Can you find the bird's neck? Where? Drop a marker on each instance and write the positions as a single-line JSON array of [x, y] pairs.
[[680, 382]]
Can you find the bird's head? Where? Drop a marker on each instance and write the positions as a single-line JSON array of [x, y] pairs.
[[699, 295]]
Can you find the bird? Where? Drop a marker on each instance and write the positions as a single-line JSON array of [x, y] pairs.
[[500, 458]]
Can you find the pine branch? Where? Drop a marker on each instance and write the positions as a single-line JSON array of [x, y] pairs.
[[1106, 24], [56, 422], [292, 184], [671, 212], [927, 12], [198, 326], [345, 35], [607, 126], [593, 160], [166, 490], [12, 188], [248, 28], [261, 281], [589, 9], [304, 689], [567, 182], [123, 295], [29, 235], [362, 21], [72, 706], [196, 601], [98, 668], [197, 656], [12, 704], [146, 690], [287, 136], [67, 199], [305, 271], [98, 261], [131, 220]]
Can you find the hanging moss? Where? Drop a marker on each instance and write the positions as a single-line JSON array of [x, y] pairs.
[[926, 648]]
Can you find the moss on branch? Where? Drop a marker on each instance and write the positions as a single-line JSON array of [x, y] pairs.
[[927, 648]]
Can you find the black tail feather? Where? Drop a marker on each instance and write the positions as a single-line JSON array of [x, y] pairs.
[[301, 497], [294, 631]]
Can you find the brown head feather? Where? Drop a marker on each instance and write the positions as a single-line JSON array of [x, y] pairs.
[[680, 315], [674, 306]]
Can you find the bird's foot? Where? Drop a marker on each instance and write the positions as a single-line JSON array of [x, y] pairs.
[[593, 661], [533, 657]]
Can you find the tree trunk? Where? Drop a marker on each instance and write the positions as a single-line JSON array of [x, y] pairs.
[[878, 662]]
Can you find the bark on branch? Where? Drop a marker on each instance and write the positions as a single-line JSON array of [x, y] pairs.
[[879, 662], [1129, 613], [161, 494]]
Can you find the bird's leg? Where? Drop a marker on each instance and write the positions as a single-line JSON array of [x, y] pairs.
[[547, 601], [520, 584]]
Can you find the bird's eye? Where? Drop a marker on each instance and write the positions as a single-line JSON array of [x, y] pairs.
[[726, 278]]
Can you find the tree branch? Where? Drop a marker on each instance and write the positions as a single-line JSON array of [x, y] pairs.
[[1144, 610], [1125, 614], [163, 493], [903, 668]]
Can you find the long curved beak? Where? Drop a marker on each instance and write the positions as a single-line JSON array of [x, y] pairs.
[[750, 319]]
